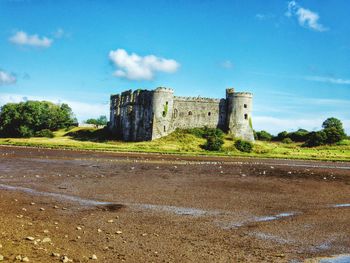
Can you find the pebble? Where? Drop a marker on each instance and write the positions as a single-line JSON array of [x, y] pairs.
[[57, 255], [32, 203], [46, 240], [99, 230], [30, 238], [25, 259], [1, 257], [94, 257], [42, 209], [78, 228], [65, 259], [0, 246], [110, 221], [119, 232], [46, 231]]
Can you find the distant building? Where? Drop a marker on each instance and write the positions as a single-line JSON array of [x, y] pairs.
[[150, 114]]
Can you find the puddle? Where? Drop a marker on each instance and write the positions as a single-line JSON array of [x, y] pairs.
[[177, 210], [237, 224], [81, 201], [336, 259], [341, 205], [273, 217]]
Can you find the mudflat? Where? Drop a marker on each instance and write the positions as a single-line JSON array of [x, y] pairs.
[[60, 205]]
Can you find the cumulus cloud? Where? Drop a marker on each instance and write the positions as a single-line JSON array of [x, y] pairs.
[[135, 67], [7, 78], [23, 39], [306, 17], [82, 110]]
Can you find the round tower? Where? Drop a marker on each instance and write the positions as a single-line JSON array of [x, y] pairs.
[[162, 105], [239, 110]]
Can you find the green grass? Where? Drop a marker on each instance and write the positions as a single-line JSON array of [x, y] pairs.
[[180, 142]]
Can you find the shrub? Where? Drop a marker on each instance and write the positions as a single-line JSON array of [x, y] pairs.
[[244, 146], [281, 136], [263, 136], [316, 139], [44, 133], [333, 135], [300, 135], [287, 141], [213, 143], [205, 132]]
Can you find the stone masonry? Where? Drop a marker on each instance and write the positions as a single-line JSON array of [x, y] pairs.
[[143, 115]]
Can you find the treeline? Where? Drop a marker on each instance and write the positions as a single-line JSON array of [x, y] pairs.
[[332, 132], [34, 118]]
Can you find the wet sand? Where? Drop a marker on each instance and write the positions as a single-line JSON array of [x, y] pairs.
[[164, 208]]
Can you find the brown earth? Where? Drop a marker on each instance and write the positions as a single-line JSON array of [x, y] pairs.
[[164, 208]]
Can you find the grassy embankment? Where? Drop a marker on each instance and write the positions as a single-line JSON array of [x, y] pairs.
[[180, 142]]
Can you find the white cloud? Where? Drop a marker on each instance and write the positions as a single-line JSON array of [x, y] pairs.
[[306, 17], [23, 39], [135, 67], [227, 64], [275, 125], [81, 110], [7, 78], [329, 80]]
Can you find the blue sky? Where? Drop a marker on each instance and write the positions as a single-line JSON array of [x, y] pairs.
[[294, 56]]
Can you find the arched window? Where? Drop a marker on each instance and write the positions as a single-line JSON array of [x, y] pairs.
[[190, 113], [246, 116], [209, 113], [176, 113], [245, 106]]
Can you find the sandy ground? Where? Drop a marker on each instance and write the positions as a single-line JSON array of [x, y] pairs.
[[161, 208]]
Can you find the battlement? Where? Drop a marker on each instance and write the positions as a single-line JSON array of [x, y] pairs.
[[164, 89], [143, 114], [197, 99], [243, 94]]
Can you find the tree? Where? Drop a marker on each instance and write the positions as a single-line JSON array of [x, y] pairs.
[[336, 124], [102, 120], [25, 119], [263, 136], [316, 139]]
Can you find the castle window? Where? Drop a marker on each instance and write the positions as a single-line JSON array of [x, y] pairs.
[[164, 129], [246, 116], [190, 113], [209, 113], [164, 113], [175, 113], [166, 103], [245, 106]]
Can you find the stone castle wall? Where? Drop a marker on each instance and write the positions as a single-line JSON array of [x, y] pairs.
[[146, 115]]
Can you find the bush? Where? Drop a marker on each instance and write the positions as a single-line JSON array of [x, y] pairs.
[[44, 133], [300, 135], [316, 139], [281, 136], [333, 135], [287, 141], [244, 146], [263, 136], [214, 143]]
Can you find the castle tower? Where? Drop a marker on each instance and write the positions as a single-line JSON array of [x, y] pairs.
[[162, 105], [239, 110]]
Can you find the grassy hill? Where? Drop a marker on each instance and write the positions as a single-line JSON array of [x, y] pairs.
[[180, 142]]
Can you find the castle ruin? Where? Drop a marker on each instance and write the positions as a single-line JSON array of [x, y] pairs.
[[151, 114]]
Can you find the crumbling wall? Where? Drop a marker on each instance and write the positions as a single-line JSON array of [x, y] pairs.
[[133, 116], [191, 112]]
